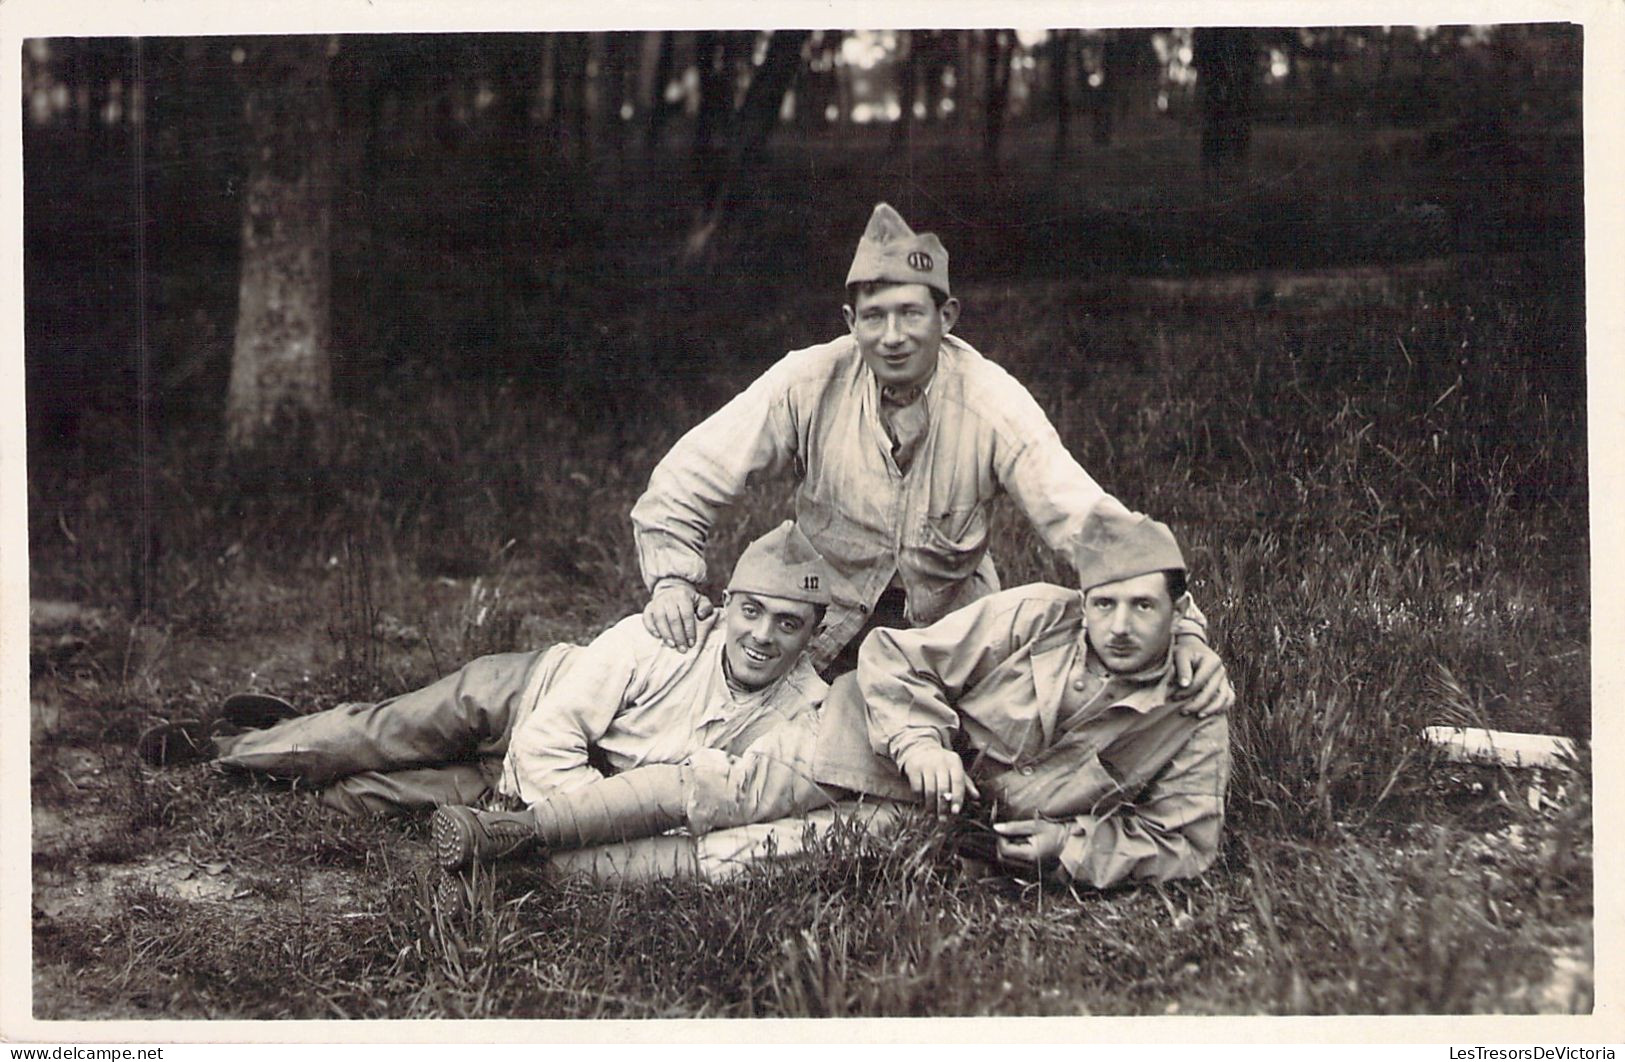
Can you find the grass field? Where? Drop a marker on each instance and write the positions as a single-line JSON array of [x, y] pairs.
[[1380, 476]]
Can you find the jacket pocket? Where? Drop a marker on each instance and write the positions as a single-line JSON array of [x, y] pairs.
[[1065, 782], [952, 543]]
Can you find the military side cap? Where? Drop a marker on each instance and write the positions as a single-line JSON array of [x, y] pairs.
[[1121, 545], [783, 563], [890, 250]]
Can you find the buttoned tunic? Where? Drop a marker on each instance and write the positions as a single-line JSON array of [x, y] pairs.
[[815, 416], [1140, 785], [640, 702]]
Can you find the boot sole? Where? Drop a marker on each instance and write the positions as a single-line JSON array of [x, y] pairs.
[[452, 839], [174, 744], [256, 711], [449, 894]]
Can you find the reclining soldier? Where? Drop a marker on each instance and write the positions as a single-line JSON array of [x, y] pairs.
[[522, 725], [1054, 706], [1055, 709]]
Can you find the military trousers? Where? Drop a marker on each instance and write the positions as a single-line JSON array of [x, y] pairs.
[[441, 744]]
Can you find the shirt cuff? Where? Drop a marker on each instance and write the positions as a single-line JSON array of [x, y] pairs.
[[666, 582], [1190, 629], [913, 739], [533, 790]]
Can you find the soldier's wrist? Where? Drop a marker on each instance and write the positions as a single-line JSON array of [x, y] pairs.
[[673, 582], [915, 746]]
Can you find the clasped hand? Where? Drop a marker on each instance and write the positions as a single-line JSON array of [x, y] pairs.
[[1201, 683], [673, 615]]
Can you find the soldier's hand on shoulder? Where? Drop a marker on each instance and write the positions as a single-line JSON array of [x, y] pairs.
[[673, 615], [1201, 683]]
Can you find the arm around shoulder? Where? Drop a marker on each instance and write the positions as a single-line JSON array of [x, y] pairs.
[[911, 679], [707, 470]]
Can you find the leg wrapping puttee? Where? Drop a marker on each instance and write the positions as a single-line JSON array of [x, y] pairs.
[[642, 802], [646, 859]]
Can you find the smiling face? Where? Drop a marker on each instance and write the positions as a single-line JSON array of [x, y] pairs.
[[765, 636], [1131, 621], [899, 329]]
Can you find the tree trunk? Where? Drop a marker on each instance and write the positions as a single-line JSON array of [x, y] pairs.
[[757, 116], [714, 58], [659, 109], [1060, 54], [759, 112], [934, 51], [515, 75], [966, 51], [815, 91], [280, 390], [1131, 77], [570, 95], [1226, 70], [908, 78], [999, 47], [619, 63]]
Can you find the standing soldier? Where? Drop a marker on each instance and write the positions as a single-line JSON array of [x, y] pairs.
[[899, 435]]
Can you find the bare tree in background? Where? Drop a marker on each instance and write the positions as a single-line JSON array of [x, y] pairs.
[[749, 130], [280, 391], [513, 64], [717, 56], [934, 52], [1000, 44], [659, 108], [817, 90], [1129, 71], [569, 95], [908, 79], [1226, 60], [1061, 44]]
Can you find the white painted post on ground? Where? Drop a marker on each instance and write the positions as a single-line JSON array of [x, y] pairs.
[[1500, 748], [1506, 748]]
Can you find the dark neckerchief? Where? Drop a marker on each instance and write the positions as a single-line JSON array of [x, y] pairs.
[[901, 397]]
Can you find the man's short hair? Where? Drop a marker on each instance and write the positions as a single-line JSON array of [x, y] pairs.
[[860, 288], [1177, 582]]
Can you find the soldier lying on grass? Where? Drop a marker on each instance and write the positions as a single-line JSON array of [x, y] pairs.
[[1050, 706], [521, 725]]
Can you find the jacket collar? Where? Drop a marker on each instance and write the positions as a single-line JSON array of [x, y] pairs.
[[799, 685], [1054, 663], [1143, 690]]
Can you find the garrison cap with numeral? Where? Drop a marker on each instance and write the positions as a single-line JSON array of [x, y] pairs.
[[783, 563], [890, 250]]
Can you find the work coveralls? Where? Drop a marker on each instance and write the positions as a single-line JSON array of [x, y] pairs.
[[523, 723], [815, 415]]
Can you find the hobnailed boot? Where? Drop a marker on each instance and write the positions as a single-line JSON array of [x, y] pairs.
[[182, 742], [463, 835], [256, 711]]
